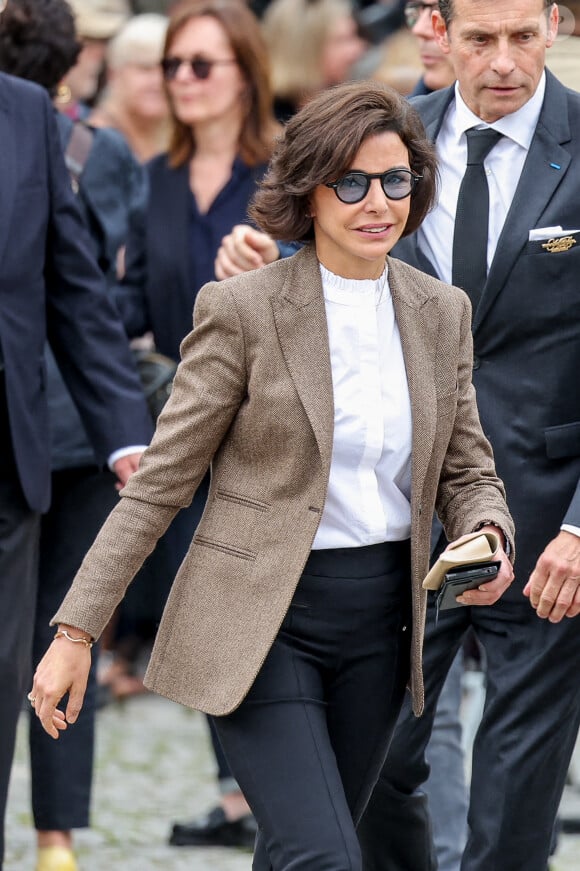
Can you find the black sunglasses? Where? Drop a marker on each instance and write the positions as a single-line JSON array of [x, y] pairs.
[[199, 66], [354, 186], [415, 9]]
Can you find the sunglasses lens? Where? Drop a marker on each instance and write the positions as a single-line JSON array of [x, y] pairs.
[[352, 188], [170, 65], [397, 184], [201, 68]]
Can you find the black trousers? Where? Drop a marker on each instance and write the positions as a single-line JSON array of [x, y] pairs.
[[521, 752], [308, 742], [19, 532], [61, 771]]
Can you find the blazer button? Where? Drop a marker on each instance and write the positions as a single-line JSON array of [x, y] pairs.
[[476, 362]]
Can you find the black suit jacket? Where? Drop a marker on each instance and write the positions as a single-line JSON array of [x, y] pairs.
[[527, 330], [50, 286]]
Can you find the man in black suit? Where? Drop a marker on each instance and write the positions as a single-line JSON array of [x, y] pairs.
[[50, 287], [526, 327]]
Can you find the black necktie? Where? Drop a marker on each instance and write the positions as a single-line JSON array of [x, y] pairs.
[[472, 217]]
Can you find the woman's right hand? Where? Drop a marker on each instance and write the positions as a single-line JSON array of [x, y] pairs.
[[64, 668]]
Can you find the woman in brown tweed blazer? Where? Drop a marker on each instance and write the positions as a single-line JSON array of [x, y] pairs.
[[331, 394]]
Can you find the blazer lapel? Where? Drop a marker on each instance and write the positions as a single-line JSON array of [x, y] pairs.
[[417, 316], [8, 171], [544, 171], [300, 318]]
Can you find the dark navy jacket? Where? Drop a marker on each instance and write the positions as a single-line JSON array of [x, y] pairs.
[[111, 189], [51, 286]]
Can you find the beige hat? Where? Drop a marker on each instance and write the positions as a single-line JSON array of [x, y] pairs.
[[99, 19]]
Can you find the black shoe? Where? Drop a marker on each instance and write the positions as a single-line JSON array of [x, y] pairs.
[[570, 825], [215, 830]]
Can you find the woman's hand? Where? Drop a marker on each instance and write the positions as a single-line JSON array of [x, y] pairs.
[[64, 668], [489, 592]]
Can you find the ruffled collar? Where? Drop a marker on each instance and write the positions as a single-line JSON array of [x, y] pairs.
[[355, 291]]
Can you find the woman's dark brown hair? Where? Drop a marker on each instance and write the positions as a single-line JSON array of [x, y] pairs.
[[319, 146], [244, 34]]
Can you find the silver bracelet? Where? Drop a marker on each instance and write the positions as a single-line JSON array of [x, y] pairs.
[[63, 633]]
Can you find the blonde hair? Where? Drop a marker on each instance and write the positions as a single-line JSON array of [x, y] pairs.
[[140, 40], [296, 32]]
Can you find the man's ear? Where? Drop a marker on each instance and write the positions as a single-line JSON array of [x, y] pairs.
[[553, 21], [440, 31]]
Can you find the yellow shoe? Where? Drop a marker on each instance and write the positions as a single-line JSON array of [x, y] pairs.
[[56, 859]]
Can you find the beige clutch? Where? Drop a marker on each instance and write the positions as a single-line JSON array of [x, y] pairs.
[[478, 548]]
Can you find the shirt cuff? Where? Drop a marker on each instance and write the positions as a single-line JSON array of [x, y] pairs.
[[575, 530], [124, 452]]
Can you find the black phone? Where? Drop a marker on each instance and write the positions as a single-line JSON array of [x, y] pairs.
[[462, 578]]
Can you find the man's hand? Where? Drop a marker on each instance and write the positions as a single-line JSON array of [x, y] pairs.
[[125, 466], [489, 592], [244, 249], [554, 586], [63, 668]]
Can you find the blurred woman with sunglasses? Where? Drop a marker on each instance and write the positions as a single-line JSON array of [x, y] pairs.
[[331, 392], [217, 79], [216, 71]]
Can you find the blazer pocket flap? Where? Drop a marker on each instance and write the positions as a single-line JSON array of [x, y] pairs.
[[563, 441]]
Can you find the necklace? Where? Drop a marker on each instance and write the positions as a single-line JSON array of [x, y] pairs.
[[380, 283]]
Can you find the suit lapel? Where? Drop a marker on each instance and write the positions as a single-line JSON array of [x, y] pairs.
[[432, 109], [544, 171], [417, 317], [300, 318], [8, 170]]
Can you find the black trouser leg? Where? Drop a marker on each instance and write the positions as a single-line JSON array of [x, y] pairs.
[[526, 738], [308, 742], [61, 771], [19, 531], [395, 832], [227, 781]]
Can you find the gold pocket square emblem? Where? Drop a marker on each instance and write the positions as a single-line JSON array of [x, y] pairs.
[[560, 243]]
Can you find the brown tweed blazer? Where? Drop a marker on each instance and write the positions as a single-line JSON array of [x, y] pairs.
[[253, 397]]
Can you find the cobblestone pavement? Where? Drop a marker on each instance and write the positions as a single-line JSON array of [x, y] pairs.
[[154, 767]]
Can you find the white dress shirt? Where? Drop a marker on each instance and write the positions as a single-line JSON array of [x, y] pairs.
[[368, 499]]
